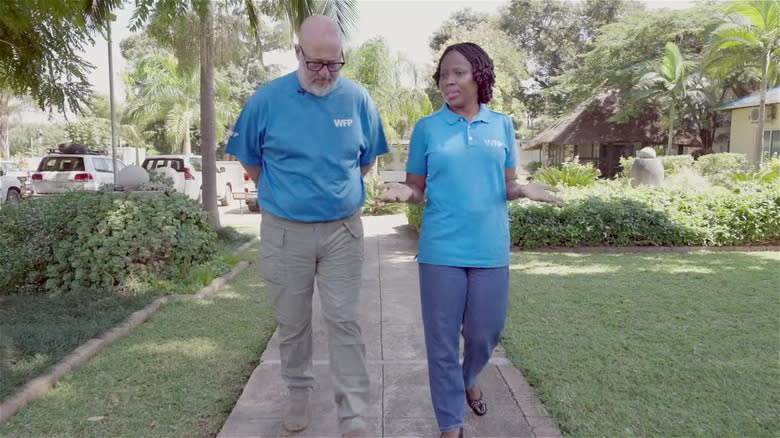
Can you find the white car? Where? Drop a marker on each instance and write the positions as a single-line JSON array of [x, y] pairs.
[[187, 177], [10, 188], [10, 168], [62, 172]]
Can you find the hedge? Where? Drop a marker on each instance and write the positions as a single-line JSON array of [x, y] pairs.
[[96, 240]]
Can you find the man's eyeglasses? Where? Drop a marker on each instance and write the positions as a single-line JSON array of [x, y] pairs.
[[332, 67]]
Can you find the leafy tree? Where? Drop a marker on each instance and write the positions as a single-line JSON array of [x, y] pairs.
[[668, 85], [163, 91], [554, 34], [383, 74], [465, 19], [750, 38], [39, 45], [28, 139], [93, 132], [622, 49]]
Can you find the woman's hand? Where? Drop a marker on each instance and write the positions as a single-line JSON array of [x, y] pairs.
[[533, 191], [398, 192]]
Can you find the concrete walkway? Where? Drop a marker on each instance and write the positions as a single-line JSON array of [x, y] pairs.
[[393, 333]]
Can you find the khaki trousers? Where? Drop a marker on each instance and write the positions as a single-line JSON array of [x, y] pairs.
[[294, 256]]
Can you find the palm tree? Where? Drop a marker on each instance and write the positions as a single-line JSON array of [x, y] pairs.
[[172, 94], [750, 38], [667, 85], [344, 12]]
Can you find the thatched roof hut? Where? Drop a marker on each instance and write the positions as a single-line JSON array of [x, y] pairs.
[[588, 133]]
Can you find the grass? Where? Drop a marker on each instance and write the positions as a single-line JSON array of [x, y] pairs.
[[650, 344], [178, 374], [37, 331]]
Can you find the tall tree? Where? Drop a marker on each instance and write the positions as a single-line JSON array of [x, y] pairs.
[[554, 34], [621, 51], [161, 91], [668, 86], [383, 74], [750, 38], [344, 13]]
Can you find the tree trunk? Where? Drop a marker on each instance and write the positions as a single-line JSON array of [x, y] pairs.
[[762, 108], [208, 142], [670, 141], [5, 112]]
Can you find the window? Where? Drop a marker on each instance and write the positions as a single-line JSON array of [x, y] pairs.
[[102, 165], [771, 143]]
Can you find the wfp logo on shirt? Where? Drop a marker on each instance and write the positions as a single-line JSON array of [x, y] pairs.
[[342, 123], [493, 143]]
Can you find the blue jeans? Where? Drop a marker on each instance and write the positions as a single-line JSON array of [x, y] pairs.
[[455, 301]]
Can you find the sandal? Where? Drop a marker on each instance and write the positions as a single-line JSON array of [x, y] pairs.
[[477, 404], [460, 433]]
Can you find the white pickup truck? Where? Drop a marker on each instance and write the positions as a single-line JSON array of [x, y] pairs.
[[230, 181]]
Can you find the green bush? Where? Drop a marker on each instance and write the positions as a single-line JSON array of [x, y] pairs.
[[570, 173], [372, 206], [94, 240], [674, 163], [414, 213], [614, 214], [721, 163]]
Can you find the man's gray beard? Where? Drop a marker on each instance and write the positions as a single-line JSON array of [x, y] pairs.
[[320, 91]]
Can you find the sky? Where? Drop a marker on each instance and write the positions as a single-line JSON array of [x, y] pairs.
[[406, 26]]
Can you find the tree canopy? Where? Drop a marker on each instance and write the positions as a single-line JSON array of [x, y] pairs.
[[40, 42]]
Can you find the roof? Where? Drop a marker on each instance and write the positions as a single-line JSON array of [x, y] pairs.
[[753, 99], [589, 124]]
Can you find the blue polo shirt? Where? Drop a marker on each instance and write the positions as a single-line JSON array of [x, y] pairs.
[[310, 148], [466, 221]]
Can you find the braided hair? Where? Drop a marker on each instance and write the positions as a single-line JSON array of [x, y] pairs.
[[481, 68]]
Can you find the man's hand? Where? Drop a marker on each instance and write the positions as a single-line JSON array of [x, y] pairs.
[[398, 192], [534, 192]]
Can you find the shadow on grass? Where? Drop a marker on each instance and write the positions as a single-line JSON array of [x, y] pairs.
[[652, 344]]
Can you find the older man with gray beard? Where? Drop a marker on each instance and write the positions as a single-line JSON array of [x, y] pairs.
[[307, 139]]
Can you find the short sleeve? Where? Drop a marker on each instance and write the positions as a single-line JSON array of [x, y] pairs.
[[416, 162], [374, 134], [247, 135], [511, 153]]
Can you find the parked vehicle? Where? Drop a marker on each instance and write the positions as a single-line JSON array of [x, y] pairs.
[[10, 168], [73, 168], [187, 179], [230, 181], [10, 188]]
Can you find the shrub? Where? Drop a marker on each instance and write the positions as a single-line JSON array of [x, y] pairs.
[[372, 206], [414, 213], [674, 163], [94, 240], [570, 173], [614, 214], [721, 163]]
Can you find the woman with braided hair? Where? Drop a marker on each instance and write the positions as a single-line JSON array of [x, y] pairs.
[[462, 164]]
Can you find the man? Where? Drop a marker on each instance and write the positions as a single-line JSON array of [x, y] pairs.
[[308, 137]]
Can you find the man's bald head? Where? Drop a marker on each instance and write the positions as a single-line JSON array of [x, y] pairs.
[[319, 29], [318, 43]]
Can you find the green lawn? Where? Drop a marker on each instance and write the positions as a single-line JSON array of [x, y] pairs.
[[178, 374], [37, 331], [650, 344]]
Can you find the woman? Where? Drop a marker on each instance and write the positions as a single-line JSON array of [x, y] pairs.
[[462, 162]]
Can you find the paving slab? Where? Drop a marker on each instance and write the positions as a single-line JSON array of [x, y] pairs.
[[392, 328]]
